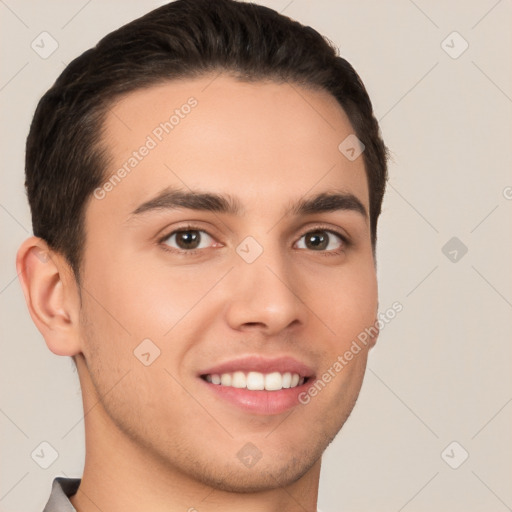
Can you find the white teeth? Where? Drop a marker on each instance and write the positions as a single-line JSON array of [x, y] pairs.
[[225, 379], [256, 381], [287, 380], [273, 381], [239, 380]]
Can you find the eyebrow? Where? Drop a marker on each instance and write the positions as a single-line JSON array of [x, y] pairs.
[[171, 198]]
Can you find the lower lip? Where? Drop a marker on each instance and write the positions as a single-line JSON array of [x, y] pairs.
[[260, 402]]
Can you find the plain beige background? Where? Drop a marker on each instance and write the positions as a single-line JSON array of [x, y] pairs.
[[441, 371]]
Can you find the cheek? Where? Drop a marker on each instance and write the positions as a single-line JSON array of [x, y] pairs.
[[350, 307], [141, 300], [130, 303], [347, 303]]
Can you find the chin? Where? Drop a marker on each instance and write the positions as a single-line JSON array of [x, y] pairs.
[[275, 472], [256, 479]]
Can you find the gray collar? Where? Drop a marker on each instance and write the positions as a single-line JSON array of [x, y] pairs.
[[62, 489]]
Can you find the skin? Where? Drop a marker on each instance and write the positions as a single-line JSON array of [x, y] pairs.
[[155, 438]]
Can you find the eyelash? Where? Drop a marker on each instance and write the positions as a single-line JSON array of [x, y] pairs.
[[192, 252]]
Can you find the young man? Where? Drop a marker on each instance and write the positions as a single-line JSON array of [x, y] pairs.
[[205, 185]]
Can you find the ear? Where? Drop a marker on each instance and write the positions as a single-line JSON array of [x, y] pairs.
[[52, 295], [374, 329]]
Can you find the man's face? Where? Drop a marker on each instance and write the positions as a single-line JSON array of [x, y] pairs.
[[266, 289]]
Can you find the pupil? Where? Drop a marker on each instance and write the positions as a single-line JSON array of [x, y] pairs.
[[317, 240], [188, 239]]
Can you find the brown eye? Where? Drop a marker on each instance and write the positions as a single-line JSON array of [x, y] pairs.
[[188, 239], [320, 240]]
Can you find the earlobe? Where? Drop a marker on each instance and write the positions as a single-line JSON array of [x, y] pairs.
[[374, 335], [374, 330], [51, 295]]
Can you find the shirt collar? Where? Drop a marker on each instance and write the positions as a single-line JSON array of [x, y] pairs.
[[62, 490]]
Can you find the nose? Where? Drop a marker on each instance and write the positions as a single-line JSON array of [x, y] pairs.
[[266, 296]]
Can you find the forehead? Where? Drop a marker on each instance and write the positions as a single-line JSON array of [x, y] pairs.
[[263, 142]]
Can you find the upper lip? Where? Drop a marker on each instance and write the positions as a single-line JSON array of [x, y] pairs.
[[261, 364]]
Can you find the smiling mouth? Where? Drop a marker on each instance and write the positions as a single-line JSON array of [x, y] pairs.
[[256, 381]]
